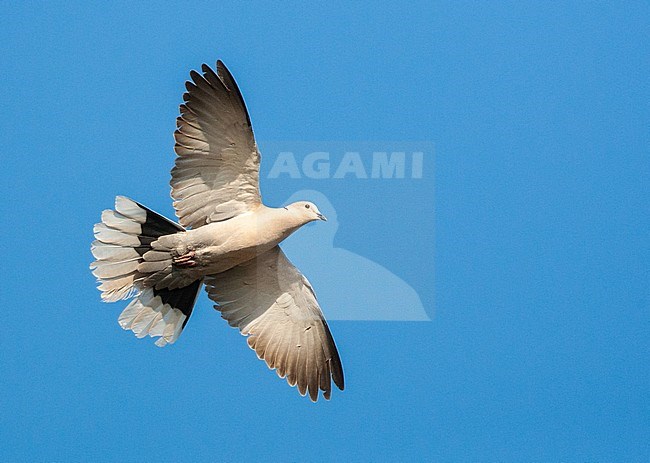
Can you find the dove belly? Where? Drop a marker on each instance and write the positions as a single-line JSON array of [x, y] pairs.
[[221, 246]]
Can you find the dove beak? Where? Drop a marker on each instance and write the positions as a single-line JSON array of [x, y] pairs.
[[322, 217]]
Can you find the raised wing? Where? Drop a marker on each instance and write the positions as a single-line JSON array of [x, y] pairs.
[[273, 304], [216, 175]]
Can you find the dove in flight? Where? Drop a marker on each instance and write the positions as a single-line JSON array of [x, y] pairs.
[[227, 240]]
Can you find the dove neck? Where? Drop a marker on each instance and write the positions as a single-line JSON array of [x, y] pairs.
[[279, 223]]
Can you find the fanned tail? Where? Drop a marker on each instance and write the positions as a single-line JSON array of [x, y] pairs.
[[123, 238]]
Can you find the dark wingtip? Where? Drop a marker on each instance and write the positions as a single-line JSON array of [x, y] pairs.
[[206, 69], [195, 75], [189, 85], [224, 74], [229, 82], [337, 374]]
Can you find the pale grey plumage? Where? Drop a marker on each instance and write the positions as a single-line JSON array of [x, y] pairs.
[[272, 303], [216, 175], [232, 246]]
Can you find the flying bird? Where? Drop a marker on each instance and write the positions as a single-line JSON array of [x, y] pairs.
[[226, 239]]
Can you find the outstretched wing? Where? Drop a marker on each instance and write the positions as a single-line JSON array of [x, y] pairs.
[[273, 304], [216, 174]]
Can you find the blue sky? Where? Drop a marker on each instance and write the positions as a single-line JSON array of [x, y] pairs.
[[526, 239]]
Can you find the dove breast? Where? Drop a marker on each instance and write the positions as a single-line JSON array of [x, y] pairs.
[[219, 246]]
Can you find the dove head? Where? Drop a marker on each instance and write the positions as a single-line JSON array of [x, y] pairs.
[[306, 211]]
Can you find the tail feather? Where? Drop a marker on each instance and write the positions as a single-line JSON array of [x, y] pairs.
[[106, 234], [103, 251], [121, 222], [127, 266], [118, 288], [111, 269]]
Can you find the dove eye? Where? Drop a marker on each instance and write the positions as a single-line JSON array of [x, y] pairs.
[[307, 206]]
